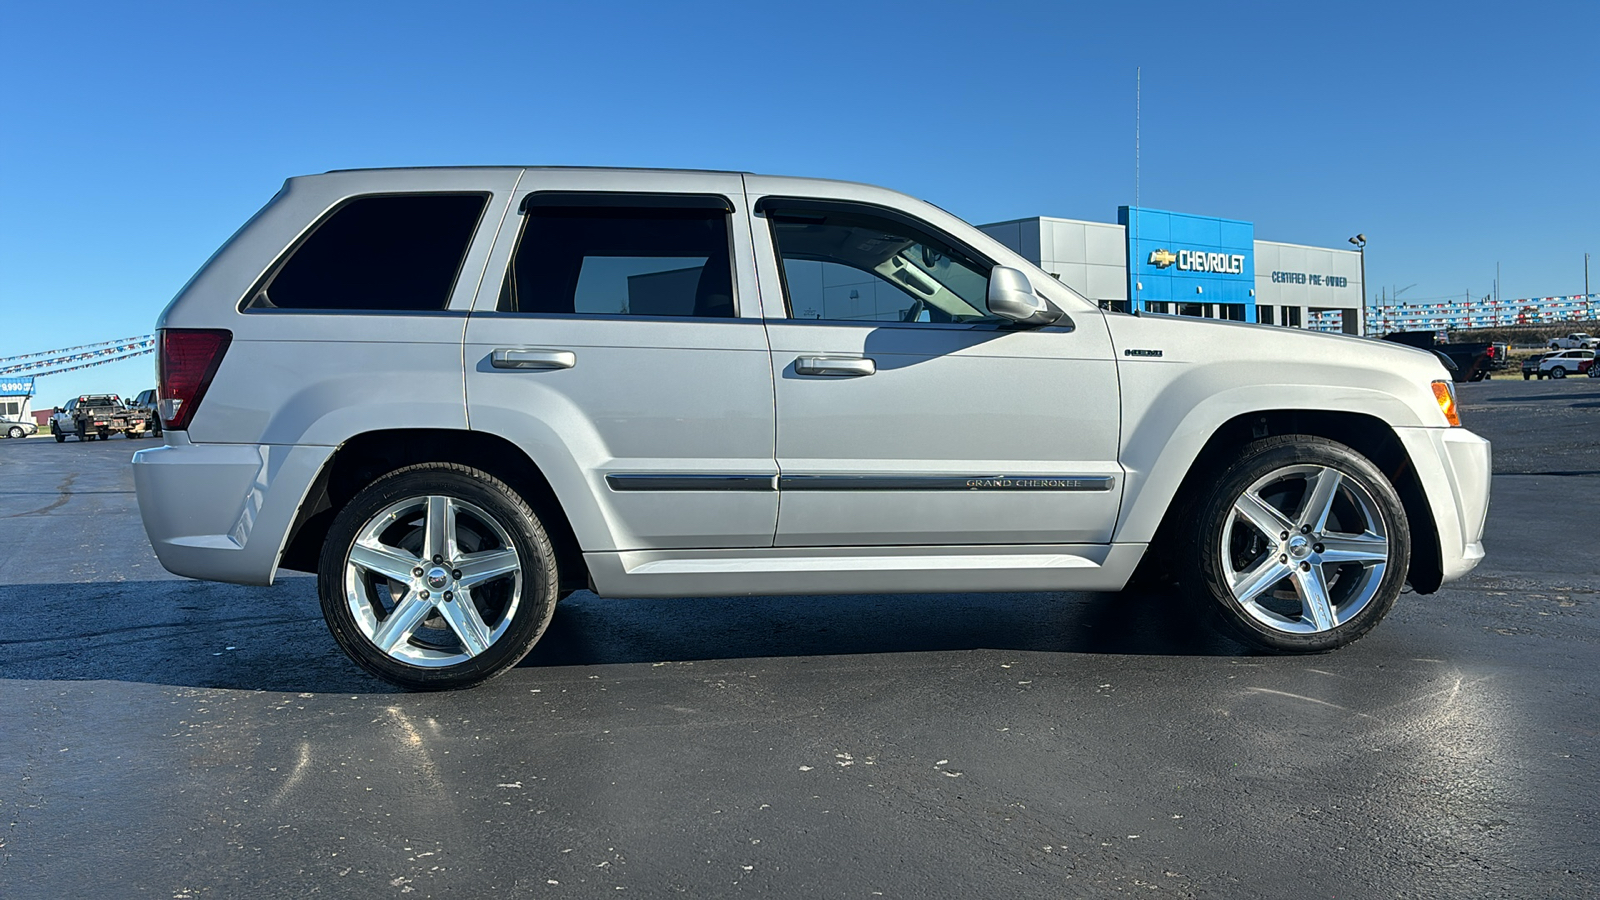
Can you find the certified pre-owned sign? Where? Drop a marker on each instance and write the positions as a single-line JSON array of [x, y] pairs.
[[1197, 261]]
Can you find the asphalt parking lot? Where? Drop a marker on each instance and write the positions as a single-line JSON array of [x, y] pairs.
[[169, 738]]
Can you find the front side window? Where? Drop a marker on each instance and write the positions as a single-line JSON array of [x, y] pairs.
[[619, 260], [854, 265], [397, 253]]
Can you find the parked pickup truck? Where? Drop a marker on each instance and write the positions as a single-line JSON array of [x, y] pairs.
[[457, 395], [1465, 362], [100, 416], [1578, 340]]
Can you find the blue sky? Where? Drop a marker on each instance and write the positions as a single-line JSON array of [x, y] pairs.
[[134, 138]]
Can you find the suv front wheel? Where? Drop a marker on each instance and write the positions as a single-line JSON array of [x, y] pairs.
[[1302, 545], [436, 577]]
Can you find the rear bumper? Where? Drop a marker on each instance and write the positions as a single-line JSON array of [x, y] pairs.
[[222, 512], [1454, 466]]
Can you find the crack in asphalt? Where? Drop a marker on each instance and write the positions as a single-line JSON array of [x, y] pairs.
[[63, 489]]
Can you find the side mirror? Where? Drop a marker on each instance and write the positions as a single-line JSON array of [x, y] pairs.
[[1011, 297]]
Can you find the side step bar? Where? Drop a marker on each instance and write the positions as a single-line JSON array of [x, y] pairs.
[[848, 570]]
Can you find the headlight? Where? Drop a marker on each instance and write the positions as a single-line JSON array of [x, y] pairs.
[[1445, 393]]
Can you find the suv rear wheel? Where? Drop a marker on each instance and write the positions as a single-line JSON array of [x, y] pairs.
[[1302, 545], [1558, 372], [437, 576]]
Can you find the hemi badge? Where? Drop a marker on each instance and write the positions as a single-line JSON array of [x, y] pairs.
[[1132, 352]]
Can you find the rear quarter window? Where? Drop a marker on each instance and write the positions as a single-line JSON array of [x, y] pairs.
[[398, 252]]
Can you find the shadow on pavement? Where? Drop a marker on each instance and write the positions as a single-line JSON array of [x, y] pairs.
[[588, 630], [203, 635]]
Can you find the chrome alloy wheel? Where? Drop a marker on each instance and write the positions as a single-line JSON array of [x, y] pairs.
[[1304, 549], [432, 581]]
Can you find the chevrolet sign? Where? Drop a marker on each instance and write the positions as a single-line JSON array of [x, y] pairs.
[[1197, 261]]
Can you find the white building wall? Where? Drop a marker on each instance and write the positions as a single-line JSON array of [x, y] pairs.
[[1089, 257], [1323, 283], [15, 409]]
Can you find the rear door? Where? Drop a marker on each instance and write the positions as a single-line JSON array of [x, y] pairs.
[[618, 340], [909, 415]]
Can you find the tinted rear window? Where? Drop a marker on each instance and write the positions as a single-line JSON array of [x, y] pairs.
[[605, 260], [392, 253]]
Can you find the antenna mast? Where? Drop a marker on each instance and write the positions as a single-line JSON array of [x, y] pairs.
[[1133, 264]]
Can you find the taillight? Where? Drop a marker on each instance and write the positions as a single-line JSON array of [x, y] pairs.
[[188, 359]]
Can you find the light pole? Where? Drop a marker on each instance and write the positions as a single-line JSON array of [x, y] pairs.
[[1360, 241]]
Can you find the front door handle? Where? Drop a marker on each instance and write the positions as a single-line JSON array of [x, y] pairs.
[[838, 366], [515, 358]]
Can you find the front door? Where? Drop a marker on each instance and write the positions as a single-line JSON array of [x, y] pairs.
[[907, 414]]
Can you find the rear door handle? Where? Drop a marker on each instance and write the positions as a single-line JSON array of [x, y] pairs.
[[838, 366], [515, 358]]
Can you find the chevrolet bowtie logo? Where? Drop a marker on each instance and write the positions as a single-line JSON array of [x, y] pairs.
[[1162, 258]]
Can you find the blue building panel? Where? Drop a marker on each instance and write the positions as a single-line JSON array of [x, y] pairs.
[[1180, 258]]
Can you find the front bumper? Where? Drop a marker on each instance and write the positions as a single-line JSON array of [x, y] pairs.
[[222, 512], [1454, 466]]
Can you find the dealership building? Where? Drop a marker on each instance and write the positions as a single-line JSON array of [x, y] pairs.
[[1192, 265], [16, 398]]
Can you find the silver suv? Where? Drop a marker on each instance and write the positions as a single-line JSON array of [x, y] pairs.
[[457, 395]]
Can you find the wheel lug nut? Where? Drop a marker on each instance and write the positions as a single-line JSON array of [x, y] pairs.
[[1317, 548], [424, 595], [455, 573], [1284, 536], [448, 596], [1283, 558], [439, 559], [1305, 567], [1305, 529], [417, 571]]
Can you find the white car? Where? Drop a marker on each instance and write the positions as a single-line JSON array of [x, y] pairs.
[[1566, 362], [459, 394]]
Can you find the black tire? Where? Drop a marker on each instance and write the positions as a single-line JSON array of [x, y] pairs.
[[1526, 375], [61, 437], [523, 613], [14, 431], [1594, 370], [1558, 372], [1360, 595]]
